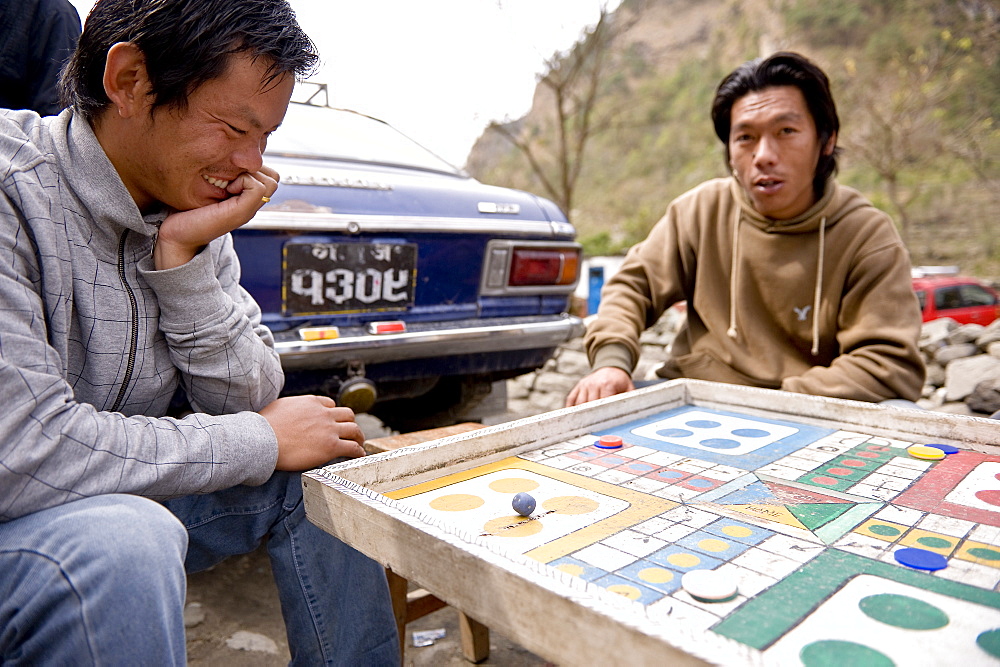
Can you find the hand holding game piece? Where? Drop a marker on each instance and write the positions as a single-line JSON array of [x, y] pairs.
[[709, 585], [523, 504]]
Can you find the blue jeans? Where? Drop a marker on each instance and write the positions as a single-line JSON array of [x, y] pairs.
[[102, 580]]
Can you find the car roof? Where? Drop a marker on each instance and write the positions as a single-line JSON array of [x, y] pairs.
[[945, 281]]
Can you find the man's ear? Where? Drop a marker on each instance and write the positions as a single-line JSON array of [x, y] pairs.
[[126, 81], [830, 145]]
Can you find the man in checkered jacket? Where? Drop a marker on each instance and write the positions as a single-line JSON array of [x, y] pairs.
[[119, 285]]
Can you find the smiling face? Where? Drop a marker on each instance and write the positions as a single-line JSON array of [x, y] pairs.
[[186, 158], [774, 149]]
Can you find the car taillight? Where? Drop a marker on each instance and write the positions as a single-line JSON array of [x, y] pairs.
[[543, 266], [516, 267], [393, 326]]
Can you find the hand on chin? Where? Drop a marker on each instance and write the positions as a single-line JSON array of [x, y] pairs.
[[184, 233]]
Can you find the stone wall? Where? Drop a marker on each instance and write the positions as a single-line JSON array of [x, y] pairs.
[[546, 388], [963, 368]]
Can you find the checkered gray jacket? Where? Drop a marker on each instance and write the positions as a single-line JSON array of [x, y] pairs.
[[94, 341]]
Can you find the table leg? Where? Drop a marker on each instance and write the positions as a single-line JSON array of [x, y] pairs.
[[475, 638], [397, 592]]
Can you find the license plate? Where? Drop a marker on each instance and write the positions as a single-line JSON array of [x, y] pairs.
[[324, 278]]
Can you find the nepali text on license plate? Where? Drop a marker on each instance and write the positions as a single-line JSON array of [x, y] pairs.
[[347, 277]]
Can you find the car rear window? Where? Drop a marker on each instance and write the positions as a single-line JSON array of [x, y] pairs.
[[324, 132]]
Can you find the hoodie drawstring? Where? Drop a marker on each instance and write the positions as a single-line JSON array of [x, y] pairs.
[[732, 332], [819, 285]]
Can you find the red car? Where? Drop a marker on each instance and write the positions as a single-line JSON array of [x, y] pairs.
[[965, 300]]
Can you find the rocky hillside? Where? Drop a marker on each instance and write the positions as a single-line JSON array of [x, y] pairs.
[[918, 89]]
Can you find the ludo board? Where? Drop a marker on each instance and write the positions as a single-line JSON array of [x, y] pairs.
[[805, 516]]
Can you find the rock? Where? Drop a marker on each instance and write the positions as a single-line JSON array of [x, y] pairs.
[[933, 334], [932, 402], [575, 344], [194, 614], [932, 399], [962, 375], [652, 351], [993, 349], [935, 374], [252, 641], [990, 334], [555, 383], [956, 409], [572, 362], [539, 403], [520, 387], [985, 397], [670, 322], [646, 369], [948, 353], [967, 333]]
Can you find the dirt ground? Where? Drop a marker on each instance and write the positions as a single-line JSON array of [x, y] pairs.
[[234, 621], [233, 618]]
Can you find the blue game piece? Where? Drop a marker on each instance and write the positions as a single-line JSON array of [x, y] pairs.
[[947, 449], [921, 559], [523, 504]]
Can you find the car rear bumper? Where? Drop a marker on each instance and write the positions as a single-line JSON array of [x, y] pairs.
[[427, 341]]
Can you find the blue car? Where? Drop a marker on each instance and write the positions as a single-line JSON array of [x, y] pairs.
[[394, 282]]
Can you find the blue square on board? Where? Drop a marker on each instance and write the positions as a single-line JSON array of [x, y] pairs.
[[727, 438]]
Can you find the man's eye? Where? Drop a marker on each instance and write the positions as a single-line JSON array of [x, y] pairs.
[[236, 129]]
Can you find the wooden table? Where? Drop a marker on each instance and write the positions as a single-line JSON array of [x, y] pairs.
[[409, 605], [805, 501]]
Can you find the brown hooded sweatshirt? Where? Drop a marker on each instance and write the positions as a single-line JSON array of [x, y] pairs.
[[754, 287]]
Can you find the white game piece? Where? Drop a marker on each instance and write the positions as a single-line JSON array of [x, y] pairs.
[[709, 585]]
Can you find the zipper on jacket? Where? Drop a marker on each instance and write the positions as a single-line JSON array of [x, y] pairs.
[[130, 366]]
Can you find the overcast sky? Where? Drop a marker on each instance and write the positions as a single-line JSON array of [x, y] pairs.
[[438, 70]]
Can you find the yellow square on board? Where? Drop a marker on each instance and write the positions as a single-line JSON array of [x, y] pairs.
[[936, 542]]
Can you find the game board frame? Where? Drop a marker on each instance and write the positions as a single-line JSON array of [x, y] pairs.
[[555, 615]]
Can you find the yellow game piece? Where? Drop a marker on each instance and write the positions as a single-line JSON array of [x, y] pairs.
[[925, 452]]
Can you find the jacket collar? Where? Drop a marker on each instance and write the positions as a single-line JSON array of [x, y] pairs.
[[94, 180], [806, 222]]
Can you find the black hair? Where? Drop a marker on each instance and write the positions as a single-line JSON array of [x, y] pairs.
[[185, 44], [782, 69]]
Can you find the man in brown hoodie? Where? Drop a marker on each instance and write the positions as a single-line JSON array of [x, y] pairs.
[[792, 280]]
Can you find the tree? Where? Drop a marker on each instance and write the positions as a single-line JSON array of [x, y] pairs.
[[571, 85], [898, 119]]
